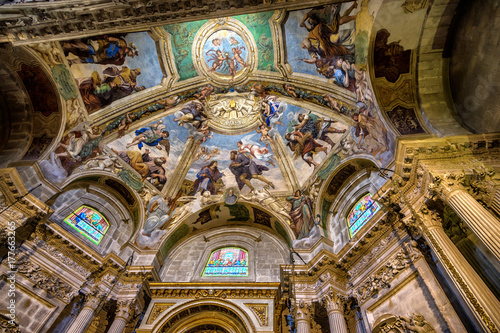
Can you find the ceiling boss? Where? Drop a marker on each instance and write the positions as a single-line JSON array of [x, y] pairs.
[[233, 113]]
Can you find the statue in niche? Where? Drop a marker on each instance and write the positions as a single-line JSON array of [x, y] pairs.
[[159, 213]]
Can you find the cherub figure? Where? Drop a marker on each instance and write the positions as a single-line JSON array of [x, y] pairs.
[[125, 123], [264, 132], [237, 56]]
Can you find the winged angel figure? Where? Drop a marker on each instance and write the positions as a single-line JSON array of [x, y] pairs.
[[248, 146]]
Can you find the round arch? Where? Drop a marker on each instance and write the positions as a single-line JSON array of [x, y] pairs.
[[191, 314]]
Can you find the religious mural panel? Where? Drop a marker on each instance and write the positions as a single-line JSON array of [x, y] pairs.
[[224, 50], [309, 137], [243, 161], [320, 41], [153, 149], [110, 67]]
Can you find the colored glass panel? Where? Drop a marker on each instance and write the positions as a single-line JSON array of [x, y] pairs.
[[88, 222], [228, 261], [362, 211]]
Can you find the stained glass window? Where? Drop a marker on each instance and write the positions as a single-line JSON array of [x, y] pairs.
[[88, 222], [362, 211], [228, 261]]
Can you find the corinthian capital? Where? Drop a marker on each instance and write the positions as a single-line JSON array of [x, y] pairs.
[[125, 308], [333, 301], [430, 218], [444, 184], [304, 310], [93, 298]]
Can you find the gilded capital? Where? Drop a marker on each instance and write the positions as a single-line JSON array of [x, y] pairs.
[[444, 185], [333, 301], [93, 298], [125, 308], [304, 310], [430, 218]]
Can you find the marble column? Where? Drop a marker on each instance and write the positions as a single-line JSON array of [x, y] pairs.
[[124, 311], [92, 300], [479, 220], [479, 297], [334, 304], [304, 317]]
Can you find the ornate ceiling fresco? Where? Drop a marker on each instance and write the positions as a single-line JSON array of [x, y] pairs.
[[225, 115]]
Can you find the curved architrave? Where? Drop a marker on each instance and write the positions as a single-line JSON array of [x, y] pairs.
[[74, 182], [235, 309], [201, 319], [61, 102], [183, 220], [217, 238], [357, 161]]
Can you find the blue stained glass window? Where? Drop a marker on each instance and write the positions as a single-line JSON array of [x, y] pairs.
[[88, 222], [228, 261], [362, 211]]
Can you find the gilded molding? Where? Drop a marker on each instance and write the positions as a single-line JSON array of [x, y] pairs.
[[157, 310], [260, 311]]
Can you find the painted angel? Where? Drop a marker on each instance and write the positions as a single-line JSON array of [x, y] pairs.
[[153, 136], [247, 145]]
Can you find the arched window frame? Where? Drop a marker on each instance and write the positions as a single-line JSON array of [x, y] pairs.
[[361, 220], [85, 226], [241, 270]]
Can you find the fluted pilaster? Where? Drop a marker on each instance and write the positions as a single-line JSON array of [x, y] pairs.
[[125, 310], [92, 300], [334, 305], [481, 300], [479, 220]]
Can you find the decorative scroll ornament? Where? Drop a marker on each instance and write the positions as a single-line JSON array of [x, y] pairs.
[[260, 311], [416, 323], [45, 281], [233, 113], [157, 310], [376, 282]]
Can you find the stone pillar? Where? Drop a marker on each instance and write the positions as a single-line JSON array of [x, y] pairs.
[[304, 311], [124, 312], [334, 305], [480, 299], [360, 328], [92, 300], [479, 220]]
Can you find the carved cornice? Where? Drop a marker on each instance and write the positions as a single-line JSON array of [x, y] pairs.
[[444, 154], [28, 23], [222, 293], [24, 205]]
